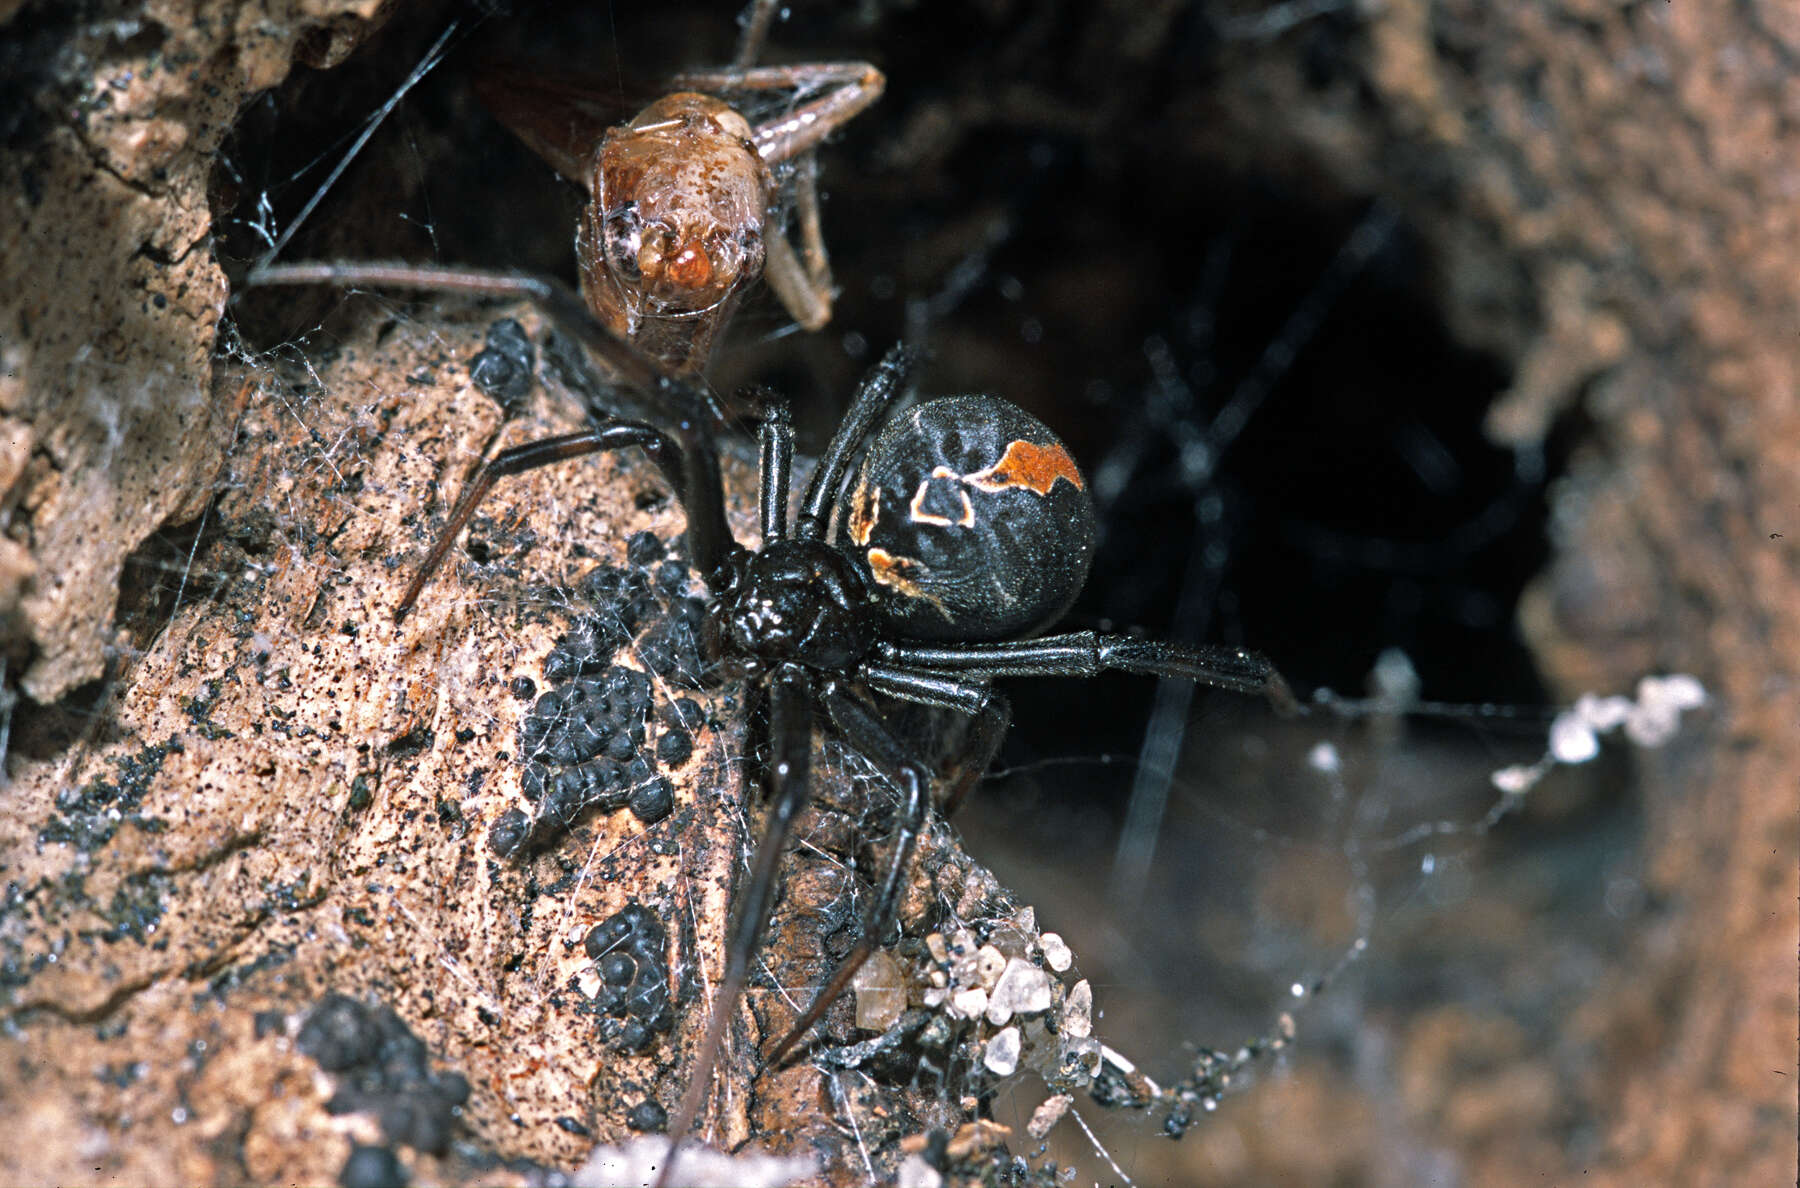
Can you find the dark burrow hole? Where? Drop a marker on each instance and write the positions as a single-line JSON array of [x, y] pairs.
[[178, 564]]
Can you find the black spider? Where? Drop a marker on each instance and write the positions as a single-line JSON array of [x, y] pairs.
[[967, 529]]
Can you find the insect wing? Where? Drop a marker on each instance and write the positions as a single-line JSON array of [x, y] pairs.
[[562, 119]]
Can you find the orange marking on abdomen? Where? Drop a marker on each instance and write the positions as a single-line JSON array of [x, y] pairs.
[[1031, 466], [865, 509], [890, 571]]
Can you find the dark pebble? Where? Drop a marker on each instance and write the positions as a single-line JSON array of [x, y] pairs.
[[508, 833], [504, 369], [648, 1117], [339, 1033], [671, 579], [686, 713], [634, 1037], [653, 801], [617, 969], [674, 748]]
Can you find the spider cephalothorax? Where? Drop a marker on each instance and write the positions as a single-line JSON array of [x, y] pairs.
[[794, 601]]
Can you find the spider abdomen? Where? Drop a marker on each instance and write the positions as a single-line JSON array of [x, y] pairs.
[[971, 521]]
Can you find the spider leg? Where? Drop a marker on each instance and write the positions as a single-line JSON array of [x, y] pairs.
[[884, 384], [789, 784], [694, 475], [990, 710], [979, 747], [860, 725], [777, 463], [1089, 653]]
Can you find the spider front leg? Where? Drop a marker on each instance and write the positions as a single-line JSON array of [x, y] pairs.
[[692, 473], [884, 384]]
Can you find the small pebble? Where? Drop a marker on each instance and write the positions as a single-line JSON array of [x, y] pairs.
[[1078, 1011], [653, 801], [916, 1173], [504, 369], [648, 1117], [880, 989], [686, 713], [969, 1003], [1049, 1112], [508, 833], [372, 1167], [1022, 989], [989, 963], [643, 548], [674, 748], [1002, 1053]]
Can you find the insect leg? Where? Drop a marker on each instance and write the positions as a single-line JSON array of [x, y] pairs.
[[812, 237], [633, 369], [839, 92], [842, 91], [802, 281], [756, 32]]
